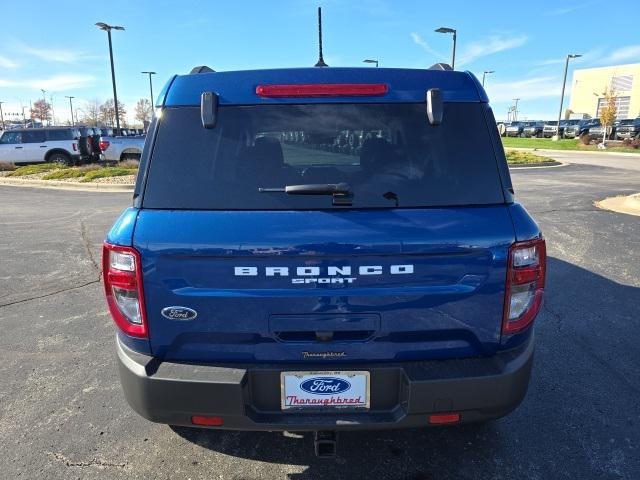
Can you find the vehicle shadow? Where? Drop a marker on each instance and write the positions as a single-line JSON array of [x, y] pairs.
[[578, 412]]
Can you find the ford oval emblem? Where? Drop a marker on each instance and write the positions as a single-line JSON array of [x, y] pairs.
[[325, 385], [179, 313]]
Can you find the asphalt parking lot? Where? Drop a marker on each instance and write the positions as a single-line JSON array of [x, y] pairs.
[[62, 414]]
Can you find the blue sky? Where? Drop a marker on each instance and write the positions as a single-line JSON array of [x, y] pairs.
[[55, 45]]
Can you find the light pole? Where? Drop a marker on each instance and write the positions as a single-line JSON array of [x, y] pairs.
[[484, 74], [150, 86], [71, 107], [53, 113], [564, 82], [454, 31], [44, 99], [515, 109], [108, 28], [369, 60], [1, 116]]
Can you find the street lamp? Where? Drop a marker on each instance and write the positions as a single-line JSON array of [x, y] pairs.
[[108, 28], [454, 31], [564, 82], [1, 116], [150, 86], [484, 74], [368, 60], [71, 107]]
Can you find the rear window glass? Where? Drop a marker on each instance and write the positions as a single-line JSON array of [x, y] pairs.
[[387, 154]]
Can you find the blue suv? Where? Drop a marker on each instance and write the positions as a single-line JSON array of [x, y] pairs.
[[324, 249]]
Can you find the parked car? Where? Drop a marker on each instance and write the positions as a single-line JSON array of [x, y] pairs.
[[566, 124], [628, 128], [533, 129], [117, 149], [32, 145], [258, 286], [550, 129], [514, 129], [597, 131], [579, 128]]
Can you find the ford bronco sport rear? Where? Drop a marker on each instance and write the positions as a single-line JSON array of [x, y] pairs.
[[316, 249]]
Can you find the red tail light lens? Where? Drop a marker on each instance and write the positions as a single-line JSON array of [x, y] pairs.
[[323, 90], [104, 145], [122, 274], [525, 284]]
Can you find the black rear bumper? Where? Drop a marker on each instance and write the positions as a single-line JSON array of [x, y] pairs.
[[247, 397]]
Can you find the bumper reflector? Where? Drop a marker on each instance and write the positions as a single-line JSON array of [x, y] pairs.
[[444, 418], [207, 421]]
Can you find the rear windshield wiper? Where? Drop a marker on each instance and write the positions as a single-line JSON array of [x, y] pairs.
[[341, 192]]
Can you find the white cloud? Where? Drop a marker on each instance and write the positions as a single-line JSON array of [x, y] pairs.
[[62, 82], [630, 52], [58, 55], [549, 61], [56, 83], [7, 62], [529, 89], [489, 46], [570, 8], [418, 40]]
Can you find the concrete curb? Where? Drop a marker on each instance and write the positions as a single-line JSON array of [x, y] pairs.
[[555, 164], [629, 204], [83, 187], [588, 152]]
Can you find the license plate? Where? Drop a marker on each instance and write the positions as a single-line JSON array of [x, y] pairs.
[[324, 390]]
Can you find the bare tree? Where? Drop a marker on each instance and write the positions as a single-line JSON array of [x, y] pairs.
[[107, 113], [143, 111], [608, 112], [42, 110], [91, 112]]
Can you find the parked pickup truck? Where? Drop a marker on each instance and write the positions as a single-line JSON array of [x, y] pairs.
[[118, 149], [533, 129], [550, 129], [279, 283], [597, 131], [580, 128], [514, 129], [628, 128]]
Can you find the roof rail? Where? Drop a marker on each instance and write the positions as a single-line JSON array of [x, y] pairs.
[[201, 69], [441, 66]]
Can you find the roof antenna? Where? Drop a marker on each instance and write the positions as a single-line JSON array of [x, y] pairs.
[[320, 62]]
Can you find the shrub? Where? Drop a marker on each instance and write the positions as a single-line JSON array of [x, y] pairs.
[[108, 172], [7, 166], [585, 139], [33, 169], [64, 173]]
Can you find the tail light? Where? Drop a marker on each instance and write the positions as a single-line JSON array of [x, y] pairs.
[[123, 287], [525, 284], [74, 145], [104, 145]]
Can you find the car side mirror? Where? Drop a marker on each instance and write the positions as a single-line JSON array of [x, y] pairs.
[[435, 106]]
